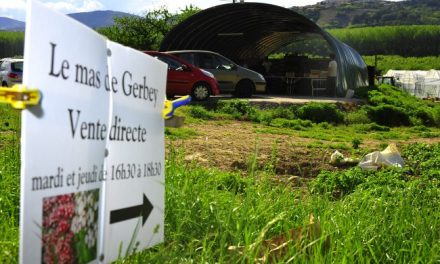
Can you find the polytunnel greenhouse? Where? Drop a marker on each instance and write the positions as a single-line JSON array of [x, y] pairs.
[[249, 33]]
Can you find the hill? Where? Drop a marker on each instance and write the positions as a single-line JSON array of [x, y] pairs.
[[8, 24], [98, 19], [94, 19], [359, 13]]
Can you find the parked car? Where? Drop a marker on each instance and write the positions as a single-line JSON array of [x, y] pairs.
[[231, 77], [184, 78], [11, 72]]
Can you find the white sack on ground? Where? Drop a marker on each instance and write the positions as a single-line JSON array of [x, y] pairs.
[[388, 157]]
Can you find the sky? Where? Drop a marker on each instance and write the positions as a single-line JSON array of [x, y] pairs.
[[16, 9]]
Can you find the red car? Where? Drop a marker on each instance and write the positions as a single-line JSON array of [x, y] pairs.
[[184, 78]]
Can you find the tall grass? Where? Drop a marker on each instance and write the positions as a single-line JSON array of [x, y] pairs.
[[395, 62], [365, 217], [11, 43], [408, 40], [387, 217], [9, 184]]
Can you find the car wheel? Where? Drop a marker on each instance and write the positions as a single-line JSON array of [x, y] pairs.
[[244, 89], [200, 92], [4, 84]]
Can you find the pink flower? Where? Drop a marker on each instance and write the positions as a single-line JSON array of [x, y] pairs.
[[64, 251], [63, 227]]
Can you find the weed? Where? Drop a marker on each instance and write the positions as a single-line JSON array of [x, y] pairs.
[[356, 142], [430, 134], [394, 107], [362, 92], [320, 112], [287, 112], [296, 124], [389, 115], [389, 215], [180, 133], [370, 127], [200, 112], [9, 184], [357, 117], [239, 109]]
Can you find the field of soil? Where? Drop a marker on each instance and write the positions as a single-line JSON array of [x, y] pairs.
[[231, 146]]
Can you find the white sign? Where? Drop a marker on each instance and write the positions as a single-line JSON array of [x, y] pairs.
[[92, 176]]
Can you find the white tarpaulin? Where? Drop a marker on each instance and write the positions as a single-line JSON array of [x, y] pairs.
[[388, 157], [422, 84]]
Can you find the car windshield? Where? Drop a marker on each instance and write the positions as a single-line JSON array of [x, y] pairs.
[[17, 66], [172, 64], [211, 61]]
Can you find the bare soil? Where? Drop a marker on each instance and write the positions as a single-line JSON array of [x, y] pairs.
[[232, 146]]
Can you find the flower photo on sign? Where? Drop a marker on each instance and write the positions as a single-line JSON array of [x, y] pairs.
[[70, 227]]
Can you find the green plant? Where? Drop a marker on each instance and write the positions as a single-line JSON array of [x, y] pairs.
[[356, 142], [200, 112], [296, 124], [426, 116], [393, 40], [239, 109], [370, 127], [287, 112], [362, 92], [320, 112], [181, 133], [325, 125], [423, 160], [395, 62], [12, 44], [145, 32], [9, 183], [357, 117], [338, 184], [392, 106], [389, 115]]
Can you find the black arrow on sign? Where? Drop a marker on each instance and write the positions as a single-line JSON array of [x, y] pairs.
[[123, 214]]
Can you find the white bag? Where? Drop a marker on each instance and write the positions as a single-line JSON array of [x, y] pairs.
[[388, 157]]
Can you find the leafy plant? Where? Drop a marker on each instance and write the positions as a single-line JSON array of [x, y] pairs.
[[423, 160], [393, 107], [145, 32], [338, 184], [389, 115], [320, 112], [396, 62], [200, 112], [240, 109], [357, 117], [296, 124], [356, 142]]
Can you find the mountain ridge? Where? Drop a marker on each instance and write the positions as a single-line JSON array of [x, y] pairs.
[[327, 14], [360, 13], [9, 24], [93, 19]]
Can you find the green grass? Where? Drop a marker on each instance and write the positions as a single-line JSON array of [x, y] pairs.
[[395, 62], [369, 217], [385, 216], [180, 133], [9, 183]]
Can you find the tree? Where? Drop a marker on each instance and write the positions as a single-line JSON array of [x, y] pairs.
[[148, 31]]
